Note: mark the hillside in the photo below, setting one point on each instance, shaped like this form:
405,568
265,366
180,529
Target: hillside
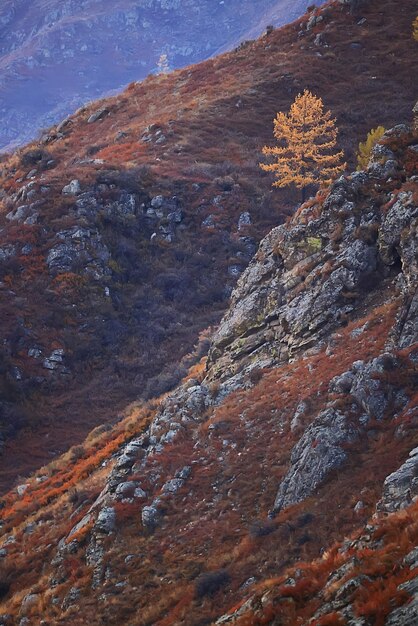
125,227
50,63
277,483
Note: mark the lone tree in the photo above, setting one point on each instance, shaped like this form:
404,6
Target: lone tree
305,154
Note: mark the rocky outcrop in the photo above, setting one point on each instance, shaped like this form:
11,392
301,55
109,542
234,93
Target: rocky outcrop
319,451
401,487
347,257
306,278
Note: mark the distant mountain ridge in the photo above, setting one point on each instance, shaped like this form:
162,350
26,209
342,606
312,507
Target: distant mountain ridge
55,56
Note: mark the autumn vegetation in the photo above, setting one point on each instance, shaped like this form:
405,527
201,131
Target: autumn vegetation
366,147
215,547
306,151
213,142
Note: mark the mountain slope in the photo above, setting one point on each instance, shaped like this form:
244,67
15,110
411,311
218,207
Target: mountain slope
295,432
50,63
100,279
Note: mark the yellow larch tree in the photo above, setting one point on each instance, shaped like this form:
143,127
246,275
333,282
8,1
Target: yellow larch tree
306,151
365,147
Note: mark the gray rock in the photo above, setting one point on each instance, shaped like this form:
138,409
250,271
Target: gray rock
157,202
27,249
184,473
29,600
120,135
62,257
125,461
393,229
130,558
126,204
54,360
401,486
244,220
209,221
410,586
30,528
346,590
98,115
173,485
63,125
295,422
318,452
175,217
270,313
405,615
320,40
197,399
411,558
342,383
71,598
407,329
370,390
235,270
150,517
169,436
72,189
106,520
80,525
359,507
7,252
57,355
18,215
16,373
313,21
21,489
126,489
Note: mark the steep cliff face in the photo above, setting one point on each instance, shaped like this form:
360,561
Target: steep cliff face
55,56
304,281
301,426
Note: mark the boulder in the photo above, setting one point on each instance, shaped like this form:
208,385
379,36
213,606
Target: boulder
7,252
21,489
319,451
29,601
126,489
370,391
150,516
72,189
401,486
172,486
244,220
106,521
98,115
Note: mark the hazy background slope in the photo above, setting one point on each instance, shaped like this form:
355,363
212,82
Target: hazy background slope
56,55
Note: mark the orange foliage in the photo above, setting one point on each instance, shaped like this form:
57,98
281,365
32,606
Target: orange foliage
68,282
375,600
307,138
123,152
